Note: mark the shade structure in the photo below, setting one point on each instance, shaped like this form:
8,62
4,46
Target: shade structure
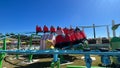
115,26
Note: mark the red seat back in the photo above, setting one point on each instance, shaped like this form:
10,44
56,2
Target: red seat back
68,38
38,29
52,29
83,34
45,28
60,39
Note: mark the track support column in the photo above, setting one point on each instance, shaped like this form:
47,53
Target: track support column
18,46
31,55
56,61
2,55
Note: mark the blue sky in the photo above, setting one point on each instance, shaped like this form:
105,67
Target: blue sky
24,15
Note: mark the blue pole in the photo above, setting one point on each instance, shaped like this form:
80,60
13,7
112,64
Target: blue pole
105,59
55,57
88,61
